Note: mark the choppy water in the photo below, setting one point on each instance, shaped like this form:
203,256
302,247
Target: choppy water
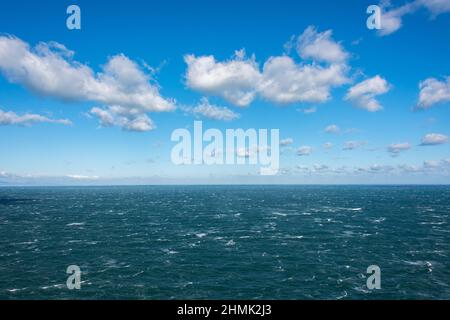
225,242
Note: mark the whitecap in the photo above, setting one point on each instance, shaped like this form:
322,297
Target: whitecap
279,214
426,264
168,251
230,243
15,290
59,286
75,224
294,237
201,235
361,289
343,296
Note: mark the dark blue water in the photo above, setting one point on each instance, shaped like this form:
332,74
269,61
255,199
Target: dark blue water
222,242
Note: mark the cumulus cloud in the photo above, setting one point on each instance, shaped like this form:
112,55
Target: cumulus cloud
106,117
286,142
438,167
140,123
433,139
332,128
320,168
427,167
396,148
392,18
436,7
211,111
375,168
433,91
8,178
308,110
82,177
49,69
127,119
233,80
304,151
351,145
239,80
431,164
328,145
363,94
320,46
12,118
285,82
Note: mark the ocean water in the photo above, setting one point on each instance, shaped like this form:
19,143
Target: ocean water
225,242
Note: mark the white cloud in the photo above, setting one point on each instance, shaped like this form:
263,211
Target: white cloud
233,80
409,168
140,123
106,117
436,7
11,118
320,168
128,119
211,111
351,145
363,94
392,19
8,178
286,82
239,80
82,177
432,139
328,145
332,128
376,168
430,164
320,46
352,130
49,69
308,110
433,91
286,142
425,168
396,148
304,151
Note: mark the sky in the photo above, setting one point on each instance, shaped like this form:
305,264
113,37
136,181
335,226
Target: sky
98,105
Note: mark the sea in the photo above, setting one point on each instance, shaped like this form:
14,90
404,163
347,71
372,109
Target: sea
225,242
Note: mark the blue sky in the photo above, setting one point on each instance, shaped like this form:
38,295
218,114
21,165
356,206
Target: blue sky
98,105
